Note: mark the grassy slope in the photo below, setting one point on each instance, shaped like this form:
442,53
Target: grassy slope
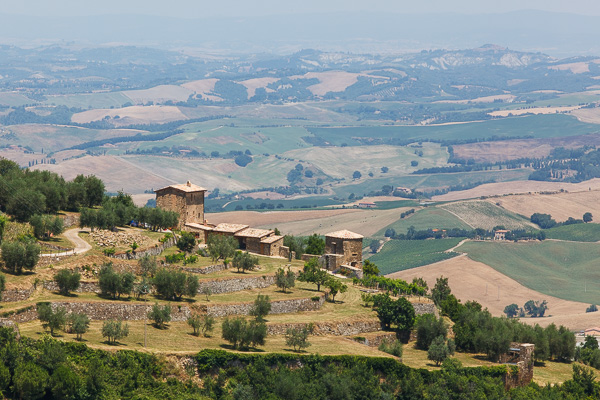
398,255
540,126
93,100
482,214
427,218
567,270
576,233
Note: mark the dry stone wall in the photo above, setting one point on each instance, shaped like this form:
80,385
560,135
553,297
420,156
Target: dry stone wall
338,328
17,294
116,310
151,251
84,287
277,307
228,285
425,308
211,269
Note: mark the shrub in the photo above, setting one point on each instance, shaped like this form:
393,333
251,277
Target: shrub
244,261
147,265
261,307
20,255
114,330
78,324
439,350
186,242
53,320
173,285
298,337
115,284
428,328
221,247
109,251
243,334
174,258
591,308
67,281
160,315
203,325
335,286
391,347
285,279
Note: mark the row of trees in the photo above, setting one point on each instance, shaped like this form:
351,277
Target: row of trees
120,211
531,308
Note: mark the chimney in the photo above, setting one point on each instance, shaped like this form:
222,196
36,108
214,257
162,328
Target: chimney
189,184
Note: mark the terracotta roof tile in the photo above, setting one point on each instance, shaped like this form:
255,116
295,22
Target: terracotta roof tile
271,239
229,228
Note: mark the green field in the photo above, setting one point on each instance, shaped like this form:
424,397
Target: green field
568,270
427,218
575,233
539,126
12,99
398,255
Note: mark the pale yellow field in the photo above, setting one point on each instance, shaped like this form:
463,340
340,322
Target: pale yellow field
332,81
534,110
203,87
255,83
472,280
590,115
576,68
515,187
132,115
159,94
116,173
560,205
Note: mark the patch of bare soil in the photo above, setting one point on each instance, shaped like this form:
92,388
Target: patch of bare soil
514,149
534,110
472,280
560,205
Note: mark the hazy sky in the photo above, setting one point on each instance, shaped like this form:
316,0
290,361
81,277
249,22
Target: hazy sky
237,8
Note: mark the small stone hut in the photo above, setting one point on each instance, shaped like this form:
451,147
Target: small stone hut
250,239
343,248
185,199
521,356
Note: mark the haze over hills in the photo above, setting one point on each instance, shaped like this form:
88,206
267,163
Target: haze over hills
557,34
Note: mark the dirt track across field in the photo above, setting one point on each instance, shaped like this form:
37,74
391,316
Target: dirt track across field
472,280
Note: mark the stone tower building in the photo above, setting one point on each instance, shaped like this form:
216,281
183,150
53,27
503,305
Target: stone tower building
185,199
343,248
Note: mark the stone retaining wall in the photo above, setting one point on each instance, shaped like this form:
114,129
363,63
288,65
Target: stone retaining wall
426,308
228,285
277,307
91,287
151,251
23,317
340,328
206,270
100,311
7,323
17,294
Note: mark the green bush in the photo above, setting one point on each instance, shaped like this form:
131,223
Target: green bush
160,315
391,347
173,285
67,281
243,334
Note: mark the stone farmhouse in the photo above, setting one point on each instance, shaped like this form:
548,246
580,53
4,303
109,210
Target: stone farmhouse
185,199
343,249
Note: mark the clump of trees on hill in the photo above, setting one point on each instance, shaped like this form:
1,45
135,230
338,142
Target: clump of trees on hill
24,193
545,221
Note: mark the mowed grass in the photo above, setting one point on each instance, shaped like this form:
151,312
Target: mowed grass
426,218
399,255
567,270
539,126
482,214
575,232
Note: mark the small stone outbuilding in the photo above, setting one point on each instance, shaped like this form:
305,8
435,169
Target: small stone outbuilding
250,239
343,248
185,199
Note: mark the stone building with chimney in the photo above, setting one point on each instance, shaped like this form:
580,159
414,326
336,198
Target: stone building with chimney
185,199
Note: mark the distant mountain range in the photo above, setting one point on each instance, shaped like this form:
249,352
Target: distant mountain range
557,34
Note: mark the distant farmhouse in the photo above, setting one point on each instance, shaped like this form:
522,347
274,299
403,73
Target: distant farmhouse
343,249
